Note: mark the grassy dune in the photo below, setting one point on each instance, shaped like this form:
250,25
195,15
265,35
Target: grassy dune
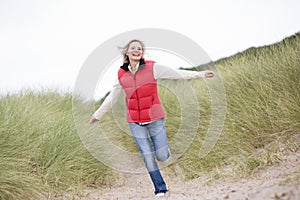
263,109
42,154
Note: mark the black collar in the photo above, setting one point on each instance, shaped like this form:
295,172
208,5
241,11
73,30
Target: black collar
125,65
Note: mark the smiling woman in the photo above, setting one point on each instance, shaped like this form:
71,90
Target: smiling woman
134,50
145,114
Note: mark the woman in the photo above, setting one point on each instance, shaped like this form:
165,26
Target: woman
145,114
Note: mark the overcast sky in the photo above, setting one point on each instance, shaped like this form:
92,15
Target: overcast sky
44,43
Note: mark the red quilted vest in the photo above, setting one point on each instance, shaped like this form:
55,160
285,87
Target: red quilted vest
142,101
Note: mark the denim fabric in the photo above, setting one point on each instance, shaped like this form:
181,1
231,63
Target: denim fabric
159,149
158,182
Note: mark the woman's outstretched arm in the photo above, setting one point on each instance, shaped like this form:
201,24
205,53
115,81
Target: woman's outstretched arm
164,72
109,101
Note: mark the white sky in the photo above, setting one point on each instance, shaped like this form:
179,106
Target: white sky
44,43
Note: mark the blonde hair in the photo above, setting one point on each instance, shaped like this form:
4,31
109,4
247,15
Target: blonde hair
125,48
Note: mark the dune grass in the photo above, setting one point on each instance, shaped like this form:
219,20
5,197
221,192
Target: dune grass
42,154
263,109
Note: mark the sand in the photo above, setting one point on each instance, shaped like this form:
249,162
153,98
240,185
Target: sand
280,181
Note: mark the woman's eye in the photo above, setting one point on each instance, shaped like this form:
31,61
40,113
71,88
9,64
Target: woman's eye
135,48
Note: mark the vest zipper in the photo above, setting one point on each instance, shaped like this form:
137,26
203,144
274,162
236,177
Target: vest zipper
137,95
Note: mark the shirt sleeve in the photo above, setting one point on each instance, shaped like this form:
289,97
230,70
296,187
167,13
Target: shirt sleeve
109,101
164,72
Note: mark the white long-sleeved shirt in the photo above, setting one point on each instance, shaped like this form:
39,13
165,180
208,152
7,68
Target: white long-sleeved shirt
159,72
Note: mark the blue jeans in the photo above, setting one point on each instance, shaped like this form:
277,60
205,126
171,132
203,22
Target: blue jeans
155,131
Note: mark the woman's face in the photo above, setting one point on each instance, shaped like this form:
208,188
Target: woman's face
135,51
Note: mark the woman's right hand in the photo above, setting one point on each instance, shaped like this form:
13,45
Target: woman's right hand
93,120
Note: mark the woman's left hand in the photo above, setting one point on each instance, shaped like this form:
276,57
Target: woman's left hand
209,74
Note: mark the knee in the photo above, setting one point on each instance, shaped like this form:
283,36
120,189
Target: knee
162,154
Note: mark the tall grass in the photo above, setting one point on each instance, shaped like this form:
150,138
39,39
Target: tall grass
263,109
42,154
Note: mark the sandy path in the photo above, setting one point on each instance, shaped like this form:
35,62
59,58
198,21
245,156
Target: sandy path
277,182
